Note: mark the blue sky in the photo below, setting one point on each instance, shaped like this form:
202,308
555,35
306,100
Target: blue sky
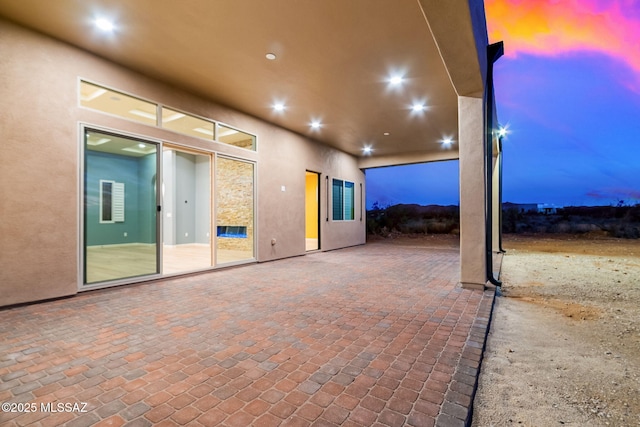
572,107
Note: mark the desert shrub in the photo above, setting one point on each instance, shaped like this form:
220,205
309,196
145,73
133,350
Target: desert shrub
633,214
524,228
625,231
617,221
444,226
395,217
584,228
562,227
413,227
540,228
412,219
510,220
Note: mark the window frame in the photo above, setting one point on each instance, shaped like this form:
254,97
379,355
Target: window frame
347,210
158,122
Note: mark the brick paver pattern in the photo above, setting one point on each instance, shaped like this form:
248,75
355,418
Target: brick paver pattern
379,334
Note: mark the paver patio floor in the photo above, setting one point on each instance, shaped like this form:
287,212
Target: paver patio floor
372,335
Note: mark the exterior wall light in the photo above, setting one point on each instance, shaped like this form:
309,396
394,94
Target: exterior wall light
447,141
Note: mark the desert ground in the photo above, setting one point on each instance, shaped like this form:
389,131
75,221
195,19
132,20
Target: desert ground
564,343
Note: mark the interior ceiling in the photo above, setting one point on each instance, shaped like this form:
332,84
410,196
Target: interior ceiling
334,58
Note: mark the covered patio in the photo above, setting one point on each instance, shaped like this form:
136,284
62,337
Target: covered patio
380,334
330,88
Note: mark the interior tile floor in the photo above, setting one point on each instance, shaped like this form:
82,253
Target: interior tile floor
113,262
378,334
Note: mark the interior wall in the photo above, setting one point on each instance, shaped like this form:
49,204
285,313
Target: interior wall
120,169
185,198
147,198
203,199
168,197
40,117
311,205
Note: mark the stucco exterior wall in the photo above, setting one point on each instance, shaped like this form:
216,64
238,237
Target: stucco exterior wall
40,165
473,190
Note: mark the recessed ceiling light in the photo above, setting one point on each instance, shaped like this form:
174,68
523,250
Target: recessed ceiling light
94,95
315,124
278,106
225,131
396,80
418,107
204,131
97,142
386,134
104,24
143,114
271,56
366,150
172,117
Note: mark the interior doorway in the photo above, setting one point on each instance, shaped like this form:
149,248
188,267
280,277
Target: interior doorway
312,211
187,200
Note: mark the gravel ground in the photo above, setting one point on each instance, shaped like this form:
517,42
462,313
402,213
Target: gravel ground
564,345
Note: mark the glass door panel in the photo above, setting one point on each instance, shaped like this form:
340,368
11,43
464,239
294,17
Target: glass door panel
234,210
120,203
186,226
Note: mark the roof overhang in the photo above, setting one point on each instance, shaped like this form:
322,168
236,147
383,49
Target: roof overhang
333,61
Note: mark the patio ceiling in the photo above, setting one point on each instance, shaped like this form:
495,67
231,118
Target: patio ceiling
334,59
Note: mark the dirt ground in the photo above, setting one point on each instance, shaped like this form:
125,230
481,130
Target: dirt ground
564,344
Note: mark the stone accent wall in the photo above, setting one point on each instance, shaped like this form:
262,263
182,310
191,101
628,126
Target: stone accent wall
234,184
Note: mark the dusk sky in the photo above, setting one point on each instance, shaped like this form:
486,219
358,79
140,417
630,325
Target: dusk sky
568,91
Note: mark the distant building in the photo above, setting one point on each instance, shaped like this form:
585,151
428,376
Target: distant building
547,209
520,207
543,208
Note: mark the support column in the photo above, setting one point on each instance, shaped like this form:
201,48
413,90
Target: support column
473,190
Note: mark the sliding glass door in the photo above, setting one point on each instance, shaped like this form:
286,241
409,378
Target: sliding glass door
146,213
120,205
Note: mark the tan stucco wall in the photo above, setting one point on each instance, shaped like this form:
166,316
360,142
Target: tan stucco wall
40,164
472,193
38,171
286,222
